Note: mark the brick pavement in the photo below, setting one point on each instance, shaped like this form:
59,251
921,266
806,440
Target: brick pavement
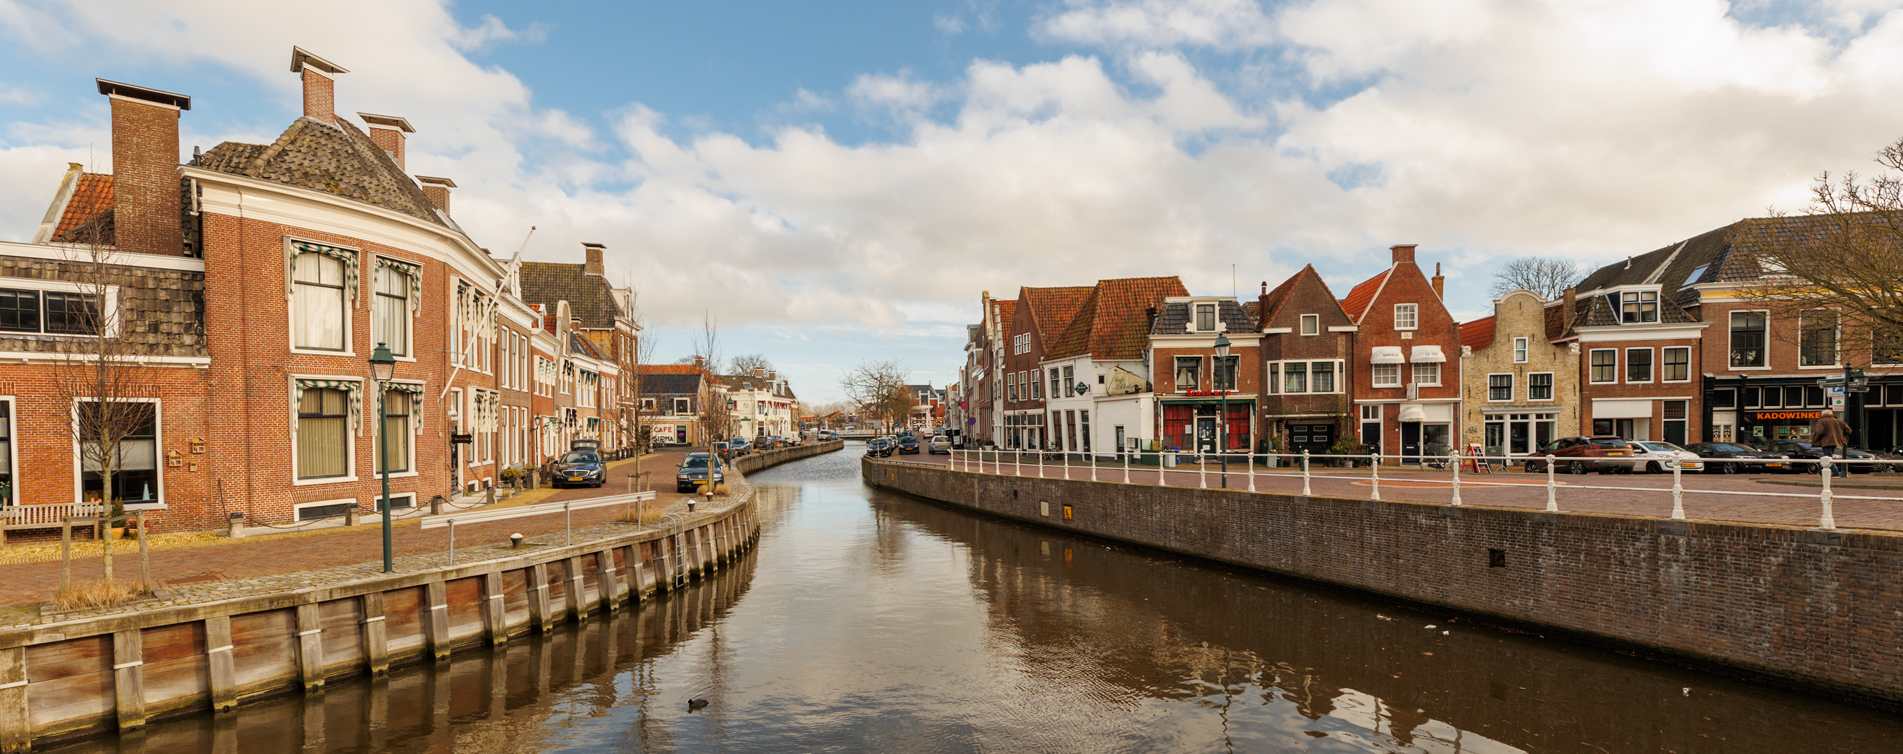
301,554
1863,502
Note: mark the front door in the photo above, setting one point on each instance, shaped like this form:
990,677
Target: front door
1410,442
1314,438
1206,434
1120,446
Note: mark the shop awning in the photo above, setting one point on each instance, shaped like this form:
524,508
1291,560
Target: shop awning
1412,412
1428,355
1387,355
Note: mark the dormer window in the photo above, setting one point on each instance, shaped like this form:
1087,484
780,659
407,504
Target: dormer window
1639,307
1205,317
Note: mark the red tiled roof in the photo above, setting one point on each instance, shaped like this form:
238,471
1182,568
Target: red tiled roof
1113,322
1053,308
1006,306
1478,333
92,195
1359,297
668,369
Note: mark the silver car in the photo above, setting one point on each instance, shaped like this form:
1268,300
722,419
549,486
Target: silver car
1656,456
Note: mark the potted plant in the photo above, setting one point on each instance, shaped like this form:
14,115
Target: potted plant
512,475
1345,447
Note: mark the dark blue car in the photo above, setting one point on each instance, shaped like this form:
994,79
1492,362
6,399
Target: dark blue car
580,468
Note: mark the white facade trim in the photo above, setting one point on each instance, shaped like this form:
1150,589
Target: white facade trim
58,252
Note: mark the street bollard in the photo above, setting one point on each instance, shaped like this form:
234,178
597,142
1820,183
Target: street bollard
1552,487
1374,469
1306,490
1828,521
1454,460
1678,490
1202,470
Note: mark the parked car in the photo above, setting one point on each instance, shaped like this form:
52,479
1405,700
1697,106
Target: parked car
1732,458
579,468
739,446
1656,456
939,445
1579,455
908,445
879,447
693,472
663,441
1860,461
827,435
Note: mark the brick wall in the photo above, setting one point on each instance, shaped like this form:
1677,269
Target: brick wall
1808,608
1519,315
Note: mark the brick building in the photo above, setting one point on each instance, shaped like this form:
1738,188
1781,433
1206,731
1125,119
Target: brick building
1406,381
1638,346
1192,388
1308,345
1096,373
1519,388
1041,314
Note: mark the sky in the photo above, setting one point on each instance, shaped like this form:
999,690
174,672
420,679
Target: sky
834,183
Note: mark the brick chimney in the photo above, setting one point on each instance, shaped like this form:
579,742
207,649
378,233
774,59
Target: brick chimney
320,84
388,133
1403,252
1440,283
1262,307
437,191
1567,309
145,183
591,263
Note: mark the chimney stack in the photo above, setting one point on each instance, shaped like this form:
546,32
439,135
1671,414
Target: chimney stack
1440,283
1262,307
320,84
591,264
437,191
1403,252
388,133
145,183
1566,310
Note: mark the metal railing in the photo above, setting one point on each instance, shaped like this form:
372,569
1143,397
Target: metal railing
566,508
1251,471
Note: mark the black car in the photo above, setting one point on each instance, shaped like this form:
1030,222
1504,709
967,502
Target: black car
908,446
693,472
1732,458
1860,461
580,468
879,447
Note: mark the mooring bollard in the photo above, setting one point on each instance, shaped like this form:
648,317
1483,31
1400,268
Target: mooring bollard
1678,490
1306,491
1454,459
1374,471
1827,521
1552,487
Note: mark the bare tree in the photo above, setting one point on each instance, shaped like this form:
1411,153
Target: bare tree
1546,277
746,363
876,389
714,415
1840,266
634,415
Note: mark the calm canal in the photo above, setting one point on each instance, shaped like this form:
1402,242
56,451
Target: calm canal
868,621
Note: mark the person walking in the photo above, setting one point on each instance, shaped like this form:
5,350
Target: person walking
1831,434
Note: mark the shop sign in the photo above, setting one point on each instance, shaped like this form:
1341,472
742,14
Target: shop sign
1782,416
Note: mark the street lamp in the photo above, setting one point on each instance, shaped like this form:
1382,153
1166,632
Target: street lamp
383,368
1222,416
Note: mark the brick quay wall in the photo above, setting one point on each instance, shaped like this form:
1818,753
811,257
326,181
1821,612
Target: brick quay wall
117,671
1818,610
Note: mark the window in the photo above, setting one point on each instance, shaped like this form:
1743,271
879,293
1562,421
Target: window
11,494
1639,307
71,313
1054,378
1427,373
1189,373
1519,349
1886,347
390,308
1295,377
1499,387
323,432
1638,365
1070,379
1205,317
1817,342
1407,316
1678,364
1386,375
135,469
319,315
1036,380
1011,386
1311,324
19,311
1748,340
1224,378
1539,386
397,428
1605,366
1321,377
1724,398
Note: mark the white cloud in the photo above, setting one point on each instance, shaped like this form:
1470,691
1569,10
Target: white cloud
1149,23
491,30
17,95
899,92
948,23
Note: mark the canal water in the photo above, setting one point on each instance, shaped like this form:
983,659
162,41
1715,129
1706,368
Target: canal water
867,621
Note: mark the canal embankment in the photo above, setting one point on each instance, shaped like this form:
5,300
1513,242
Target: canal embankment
119,670
1818,610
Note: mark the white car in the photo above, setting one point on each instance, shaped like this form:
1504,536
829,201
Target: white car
1656,456
939,445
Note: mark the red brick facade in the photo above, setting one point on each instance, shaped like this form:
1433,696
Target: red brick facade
1412,414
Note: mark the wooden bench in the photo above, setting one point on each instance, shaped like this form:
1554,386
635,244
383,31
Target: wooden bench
54,515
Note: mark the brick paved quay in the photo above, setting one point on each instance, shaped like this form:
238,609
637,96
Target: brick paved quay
275,562
1865,501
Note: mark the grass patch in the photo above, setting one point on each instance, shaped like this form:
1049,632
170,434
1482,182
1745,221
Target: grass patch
94,595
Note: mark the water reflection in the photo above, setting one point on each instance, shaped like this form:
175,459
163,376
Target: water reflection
867,621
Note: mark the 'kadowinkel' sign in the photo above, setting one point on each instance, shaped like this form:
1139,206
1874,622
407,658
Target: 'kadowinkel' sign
1782,416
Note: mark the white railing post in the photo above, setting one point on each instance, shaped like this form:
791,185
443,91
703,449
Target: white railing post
1454,458
1038,457
1552,487
1093,465
1678,490
1160,464
1374,469
1202,470
1306,490
452,539
1017,463
1249,458
1827,521
1126,466
1066,456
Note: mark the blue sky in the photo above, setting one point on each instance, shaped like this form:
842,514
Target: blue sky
837,182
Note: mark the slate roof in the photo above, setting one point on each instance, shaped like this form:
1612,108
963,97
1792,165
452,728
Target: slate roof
670,384
580,345
335,159
590,298
1478,333
88,214
1053,308
1113,322
1362,295
1173,317
1670,267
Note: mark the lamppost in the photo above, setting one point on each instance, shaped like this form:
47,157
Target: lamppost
383,367
1222,415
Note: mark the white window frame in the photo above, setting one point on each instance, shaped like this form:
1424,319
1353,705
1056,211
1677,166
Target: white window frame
1522,349
1651,371
1277,369
1639,294
1837,339
79,482
409,314
1413,316
350,454
1765,364
1552,387
349,311
108,309
1196,315
1311,324
1688,364
1414,373
1615,367
13,449
1374,375
1511,387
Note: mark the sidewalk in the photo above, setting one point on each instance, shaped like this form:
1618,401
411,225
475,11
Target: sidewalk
224,559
